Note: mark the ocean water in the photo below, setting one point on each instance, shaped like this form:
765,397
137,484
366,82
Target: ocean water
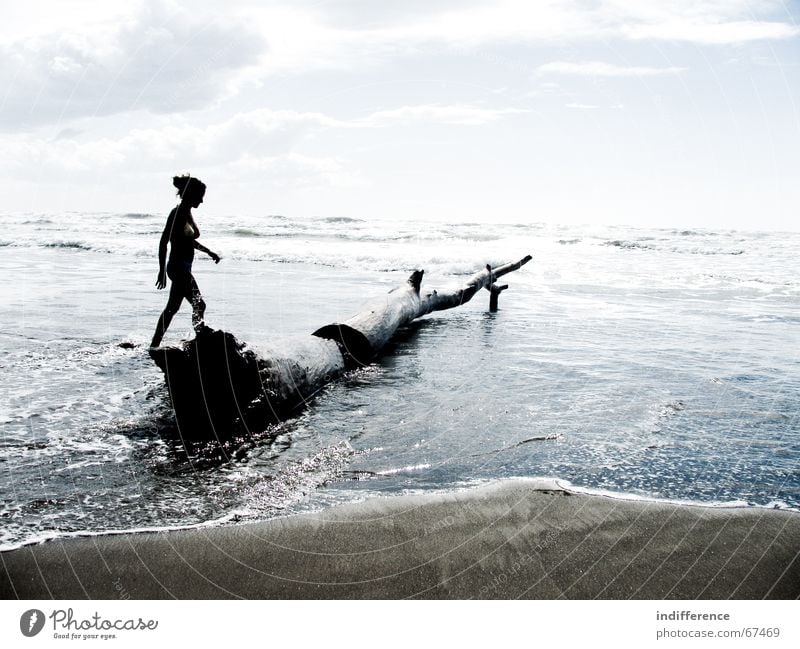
651,363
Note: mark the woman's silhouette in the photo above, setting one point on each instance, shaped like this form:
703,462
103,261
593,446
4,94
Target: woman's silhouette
181,232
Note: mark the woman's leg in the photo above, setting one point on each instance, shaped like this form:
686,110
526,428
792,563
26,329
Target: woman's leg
177,291
198,305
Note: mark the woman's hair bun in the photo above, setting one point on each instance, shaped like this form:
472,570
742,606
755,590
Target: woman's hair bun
182,183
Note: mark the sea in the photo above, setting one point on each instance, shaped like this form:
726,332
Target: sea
634,362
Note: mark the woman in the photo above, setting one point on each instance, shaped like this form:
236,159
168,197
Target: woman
181,232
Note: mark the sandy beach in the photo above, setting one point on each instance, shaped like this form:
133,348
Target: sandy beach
509,539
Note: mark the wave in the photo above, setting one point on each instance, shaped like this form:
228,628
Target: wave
245,232
428,237
261,498
746,280
11,543
636,245
340,219
709,251
565,242
630,245
75,245
378,262
137,215
737,503
527,226
360,236
66,245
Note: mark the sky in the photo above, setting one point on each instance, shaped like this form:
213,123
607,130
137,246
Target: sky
667,114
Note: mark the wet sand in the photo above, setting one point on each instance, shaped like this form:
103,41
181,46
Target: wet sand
510,539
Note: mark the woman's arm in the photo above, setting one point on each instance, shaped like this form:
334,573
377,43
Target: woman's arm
199,246
161,282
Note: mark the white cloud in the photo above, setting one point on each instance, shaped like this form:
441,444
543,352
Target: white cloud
256,133
349,36
334,33
372,15
712,33
167,58
602,69
164,59
258,139
658,11
389,27
579,106
457,114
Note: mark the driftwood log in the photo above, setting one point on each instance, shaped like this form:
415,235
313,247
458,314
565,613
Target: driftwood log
219,388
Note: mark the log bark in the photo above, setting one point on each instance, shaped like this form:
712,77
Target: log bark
219,388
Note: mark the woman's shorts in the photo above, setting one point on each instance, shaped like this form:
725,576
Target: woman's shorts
179,271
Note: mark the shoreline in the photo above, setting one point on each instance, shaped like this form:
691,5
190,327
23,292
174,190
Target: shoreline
508,539
541,483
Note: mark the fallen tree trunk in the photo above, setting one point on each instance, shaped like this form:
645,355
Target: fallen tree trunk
219,388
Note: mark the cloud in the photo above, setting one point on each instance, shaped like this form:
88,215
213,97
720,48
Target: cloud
712,33
68,133
258,139
255,133
602,69
342,32
350,36
579,106
168,59
164,60
256,147
371,15
456,114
